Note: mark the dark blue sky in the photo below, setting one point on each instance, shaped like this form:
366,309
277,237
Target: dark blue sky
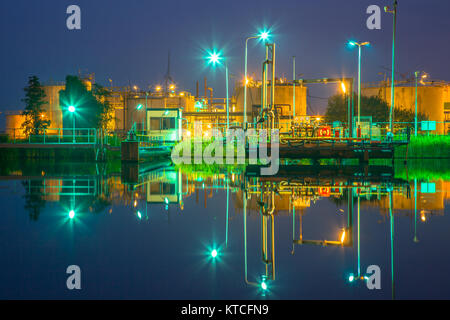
128,41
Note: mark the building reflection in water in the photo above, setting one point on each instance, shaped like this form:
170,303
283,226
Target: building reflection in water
166,186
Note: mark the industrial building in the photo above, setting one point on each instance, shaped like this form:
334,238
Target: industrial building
433,99
284,100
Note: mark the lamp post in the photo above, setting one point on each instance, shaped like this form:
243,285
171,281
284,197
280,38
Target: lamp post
72,111
360,45
391,112
213,59
416,74
263,36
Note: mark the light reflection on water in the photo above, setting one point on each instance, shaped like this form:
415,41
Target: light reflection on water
165,233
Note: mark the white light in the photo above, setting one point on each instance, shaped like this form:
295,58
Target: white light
71,214
264,35
214,253
71,108
264,286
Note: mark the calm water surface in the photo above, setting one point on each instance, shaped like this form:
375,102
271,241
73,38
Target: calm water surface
150,235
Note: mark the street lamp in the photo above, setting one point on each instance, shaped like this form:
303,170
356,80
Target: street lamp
360,45
262,36
72,111
214,58
394,27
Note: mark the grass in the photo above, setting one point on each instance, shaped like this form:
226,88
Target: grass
426,147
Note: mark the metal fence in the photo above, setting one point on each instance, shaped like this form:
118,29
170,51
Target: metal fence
56,136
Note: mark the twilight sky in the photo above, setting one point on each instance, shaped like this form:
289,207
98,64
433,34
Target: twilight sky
128,41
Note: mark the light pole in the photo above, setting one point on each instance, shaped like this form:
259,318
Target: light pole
263,36
416,74
360,45
213,59
391,113
72,111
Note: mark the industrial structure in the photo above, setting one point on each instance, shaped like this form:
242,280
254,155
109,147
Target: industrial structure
433,99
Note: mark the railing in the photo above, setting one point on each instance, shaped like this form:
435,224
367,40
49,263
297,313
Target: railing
56,136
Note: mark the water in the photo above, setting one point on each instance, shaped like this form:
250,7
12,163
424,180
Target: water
150,235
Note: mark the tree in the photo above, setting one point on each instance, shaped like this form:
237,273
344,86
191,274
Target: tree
92,108
105,112
35,122
372,106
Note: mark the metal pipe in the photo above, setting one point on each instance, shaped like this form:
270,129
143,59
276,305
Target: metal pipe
293,86
196,91
272,95
245,83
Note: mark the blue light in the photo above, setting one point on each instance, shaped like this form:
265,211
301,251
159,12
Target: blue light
263,285
264,35
351,278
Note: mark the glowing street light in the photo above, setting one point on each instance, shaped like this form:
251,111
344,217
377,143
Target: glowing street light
360,45
264,285
343,87
343,236
264,35
72,111
214,58
71,214
214,253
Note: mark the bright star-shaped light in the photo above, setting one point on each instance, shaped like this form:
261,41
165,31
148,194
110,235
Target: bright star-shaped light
214,58
71,108
214,253
264,35
71,214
